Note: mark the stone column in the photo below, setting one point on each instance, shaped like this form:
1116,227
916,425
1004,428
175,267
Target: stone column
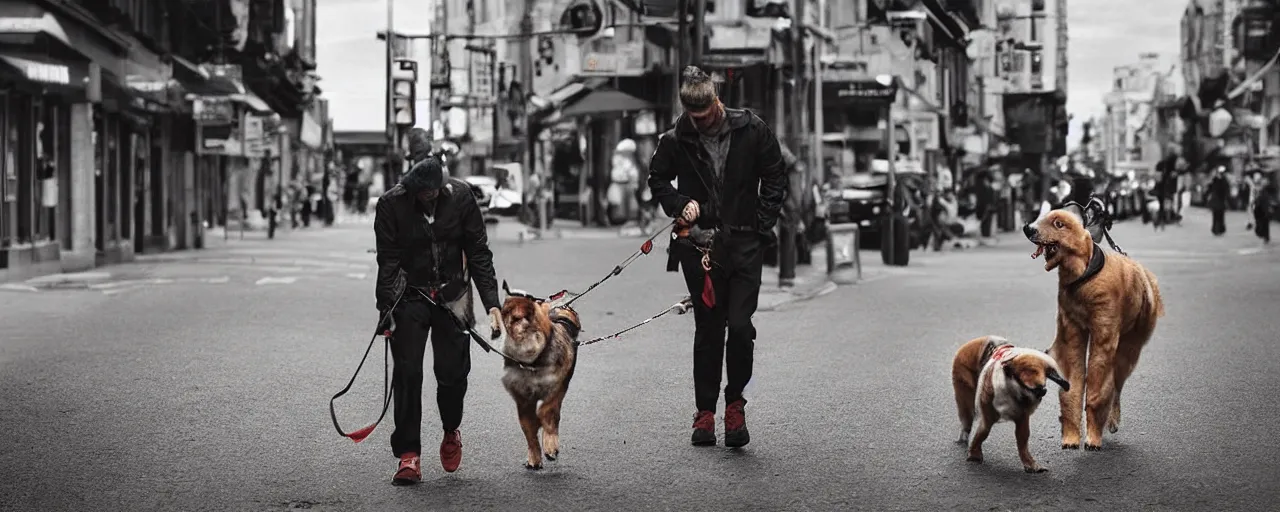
84,208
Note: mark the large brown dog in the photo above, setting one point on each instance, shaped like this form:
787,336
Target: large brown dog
1108,305
543,337
1002,383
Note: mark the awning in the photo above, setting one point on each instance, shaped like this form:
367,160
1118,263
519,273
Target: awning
26,23
69,76
605,101
221,86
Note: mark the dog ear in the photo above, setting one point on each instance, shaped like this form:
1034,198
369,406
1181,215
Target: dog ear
506,289
1053,375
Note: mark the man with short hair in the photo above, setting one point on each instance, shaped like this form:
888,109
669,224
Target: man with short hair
732,183
431,242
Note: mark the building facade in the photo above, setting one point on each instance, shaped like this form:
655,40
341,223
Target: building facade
1135,138
121,120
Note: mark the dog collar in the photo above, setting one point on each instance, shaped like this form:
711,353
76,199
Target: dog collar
1002,352
1096,262
989,351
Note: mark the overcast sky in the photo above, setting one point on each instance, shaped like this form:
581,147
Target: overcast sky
1102,34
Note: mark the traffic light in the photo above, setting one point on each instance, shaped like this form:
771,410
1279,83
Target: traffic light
404,85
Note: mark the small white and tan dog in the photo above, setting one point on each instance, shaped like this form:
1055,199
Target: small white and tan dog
1001,382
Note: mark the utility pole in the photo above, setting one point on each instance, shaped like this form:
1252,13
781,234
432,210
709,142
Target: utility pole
682,54
799,129
699,30
819,117
393,141
526,76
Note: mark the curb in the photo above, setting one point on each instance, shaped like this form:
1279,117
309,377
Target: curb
826,287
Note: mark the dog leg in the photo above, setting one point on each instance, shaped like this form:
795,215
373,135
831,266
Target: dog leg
1022,432
1069,351
549,414
528,412
1126,361
986,419
1100,384
964,407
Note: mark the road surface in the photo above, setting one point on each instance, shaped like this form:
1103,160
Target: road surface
202,384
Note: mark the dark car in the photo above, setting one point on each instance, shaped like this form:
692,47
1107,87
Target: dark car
861,198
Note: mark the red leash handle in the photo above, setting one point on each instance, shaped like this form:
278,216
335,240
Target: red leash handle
362,433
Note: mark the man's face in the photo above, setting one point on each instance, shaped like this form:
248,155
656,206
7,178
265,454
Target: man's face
705,120
428,195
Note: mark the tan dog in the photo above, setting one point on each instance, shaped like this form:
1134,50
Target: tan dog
1108,305
1002,383
544,338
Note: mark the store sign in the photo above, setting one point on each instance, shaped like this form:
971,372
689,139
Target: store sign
604,57
255,141
745,34
857,93
213,110
46,73
219,139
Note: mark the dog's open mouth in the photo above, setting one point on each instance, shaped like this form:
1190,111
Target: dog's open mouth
1048,249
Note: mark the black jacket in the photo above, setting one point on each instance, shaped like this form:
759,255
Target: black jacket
458,235
754,184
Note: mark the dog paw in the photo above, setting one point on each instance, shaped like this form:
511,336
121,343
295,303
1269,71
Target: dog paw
551,455
974,457
964,438
532,466
1070,446
1113,428
1035,468
1092,447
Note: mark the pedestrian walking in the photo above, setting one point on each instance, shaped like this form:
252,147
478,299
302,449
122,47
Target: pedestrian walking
624,177
1263,204
430,239
1219,192
736,197
1254,182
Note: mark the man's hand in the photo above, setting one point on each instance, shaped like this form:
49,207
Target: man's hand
386,322
495,323
690,212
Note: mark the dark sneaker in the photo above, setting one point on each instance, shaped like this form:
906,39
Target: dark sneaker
735,424
409,472
704,428
451,451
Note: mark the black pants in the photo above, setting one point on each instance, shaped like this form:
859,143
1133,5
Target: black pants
451,357
1219,221
735,275
1262,224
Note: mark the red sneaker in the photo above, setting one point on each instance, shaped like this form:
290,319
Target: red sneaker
451,451
409,471
704,429
735,424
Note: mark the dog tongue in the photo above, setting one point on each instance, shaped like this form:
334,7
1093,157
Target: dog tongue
1039,250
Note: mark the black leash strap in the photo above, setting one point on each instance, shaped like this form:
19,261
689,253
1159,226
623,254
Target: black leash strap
644,249
679,308
470,331
361,434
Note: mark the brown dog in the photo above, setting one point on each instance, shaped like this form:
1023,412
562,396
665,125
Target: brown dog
544,338
1108,305
1002,383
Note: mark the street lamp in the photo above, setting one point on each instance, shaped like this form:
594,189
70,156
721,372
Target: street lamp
893,225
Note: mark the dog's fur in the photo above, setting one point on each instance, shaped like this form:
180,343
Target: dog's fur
1111,315
544,338
1001,383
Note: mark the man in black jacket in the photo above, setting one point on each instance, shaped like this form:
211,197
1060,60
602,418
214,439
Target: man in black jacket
732,183
431,241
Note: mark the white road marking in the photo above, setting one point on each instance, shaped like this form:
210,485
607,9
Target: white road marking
216,280
276,280
356,276
1248,251
18,287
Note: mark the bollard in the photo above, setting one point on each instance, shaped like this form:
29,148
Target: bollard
856,257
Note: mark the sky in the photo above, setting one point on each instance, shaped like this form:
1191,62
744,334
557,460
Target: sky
1102,34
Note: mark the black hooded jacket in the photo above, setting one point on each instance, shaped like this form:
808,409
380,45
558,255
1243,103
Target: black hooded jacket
440,256
749,196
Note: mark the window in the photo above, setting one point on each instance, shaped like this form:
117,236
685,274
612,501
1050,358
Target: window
1037,5
1035,63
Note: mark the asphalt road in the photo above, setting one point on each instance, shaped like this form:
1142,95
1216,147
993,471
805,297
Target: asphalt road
200,385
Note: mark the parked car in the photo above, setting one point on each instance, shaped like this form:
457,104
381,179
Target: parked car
484,188
861,198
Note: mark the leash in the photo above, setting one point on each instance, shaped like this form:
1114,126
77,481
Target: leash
679,308
361,434
645,248
471,331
